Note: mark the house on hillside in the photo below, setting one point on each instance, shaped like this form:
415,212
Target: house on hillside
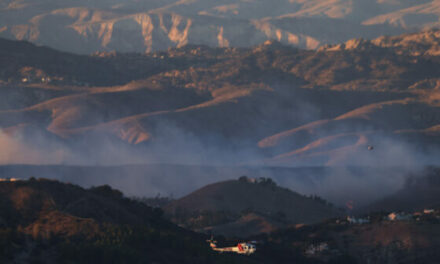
317,248
428,211
247,179
399,216
358,221
9,179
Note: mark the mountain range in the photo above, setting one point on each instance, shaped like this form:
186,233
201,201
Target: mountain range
144,26
176,99
362,102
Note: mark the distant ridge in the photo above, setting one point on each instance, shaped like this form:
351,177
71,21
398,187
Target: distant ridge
133,26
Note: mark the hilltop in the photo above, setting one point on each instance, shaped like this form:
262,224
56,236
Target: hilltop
247,206
362,185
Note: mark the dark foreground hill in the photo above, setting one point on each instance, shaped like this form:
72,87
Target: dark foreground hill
44,221
247,206
379,241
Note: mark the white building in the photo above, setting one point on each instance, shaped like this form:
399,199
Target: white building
399,217
359,221
317,248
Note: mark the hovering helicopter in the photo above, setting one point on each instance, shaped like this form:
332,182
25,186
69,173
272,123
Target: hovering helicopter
241,248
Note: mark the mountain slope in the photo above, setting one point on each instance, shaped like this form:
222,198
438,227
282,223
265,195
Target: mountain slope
342,135
223,105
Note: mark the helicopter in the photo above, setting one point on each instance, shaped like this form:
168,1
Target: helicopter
241,248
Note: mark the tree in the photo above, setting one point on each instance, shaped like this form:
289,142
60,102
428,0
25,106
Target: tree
243,178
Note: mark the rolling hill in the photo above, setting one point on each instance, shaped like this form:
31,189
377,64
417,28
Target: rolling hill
245,207
267,105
